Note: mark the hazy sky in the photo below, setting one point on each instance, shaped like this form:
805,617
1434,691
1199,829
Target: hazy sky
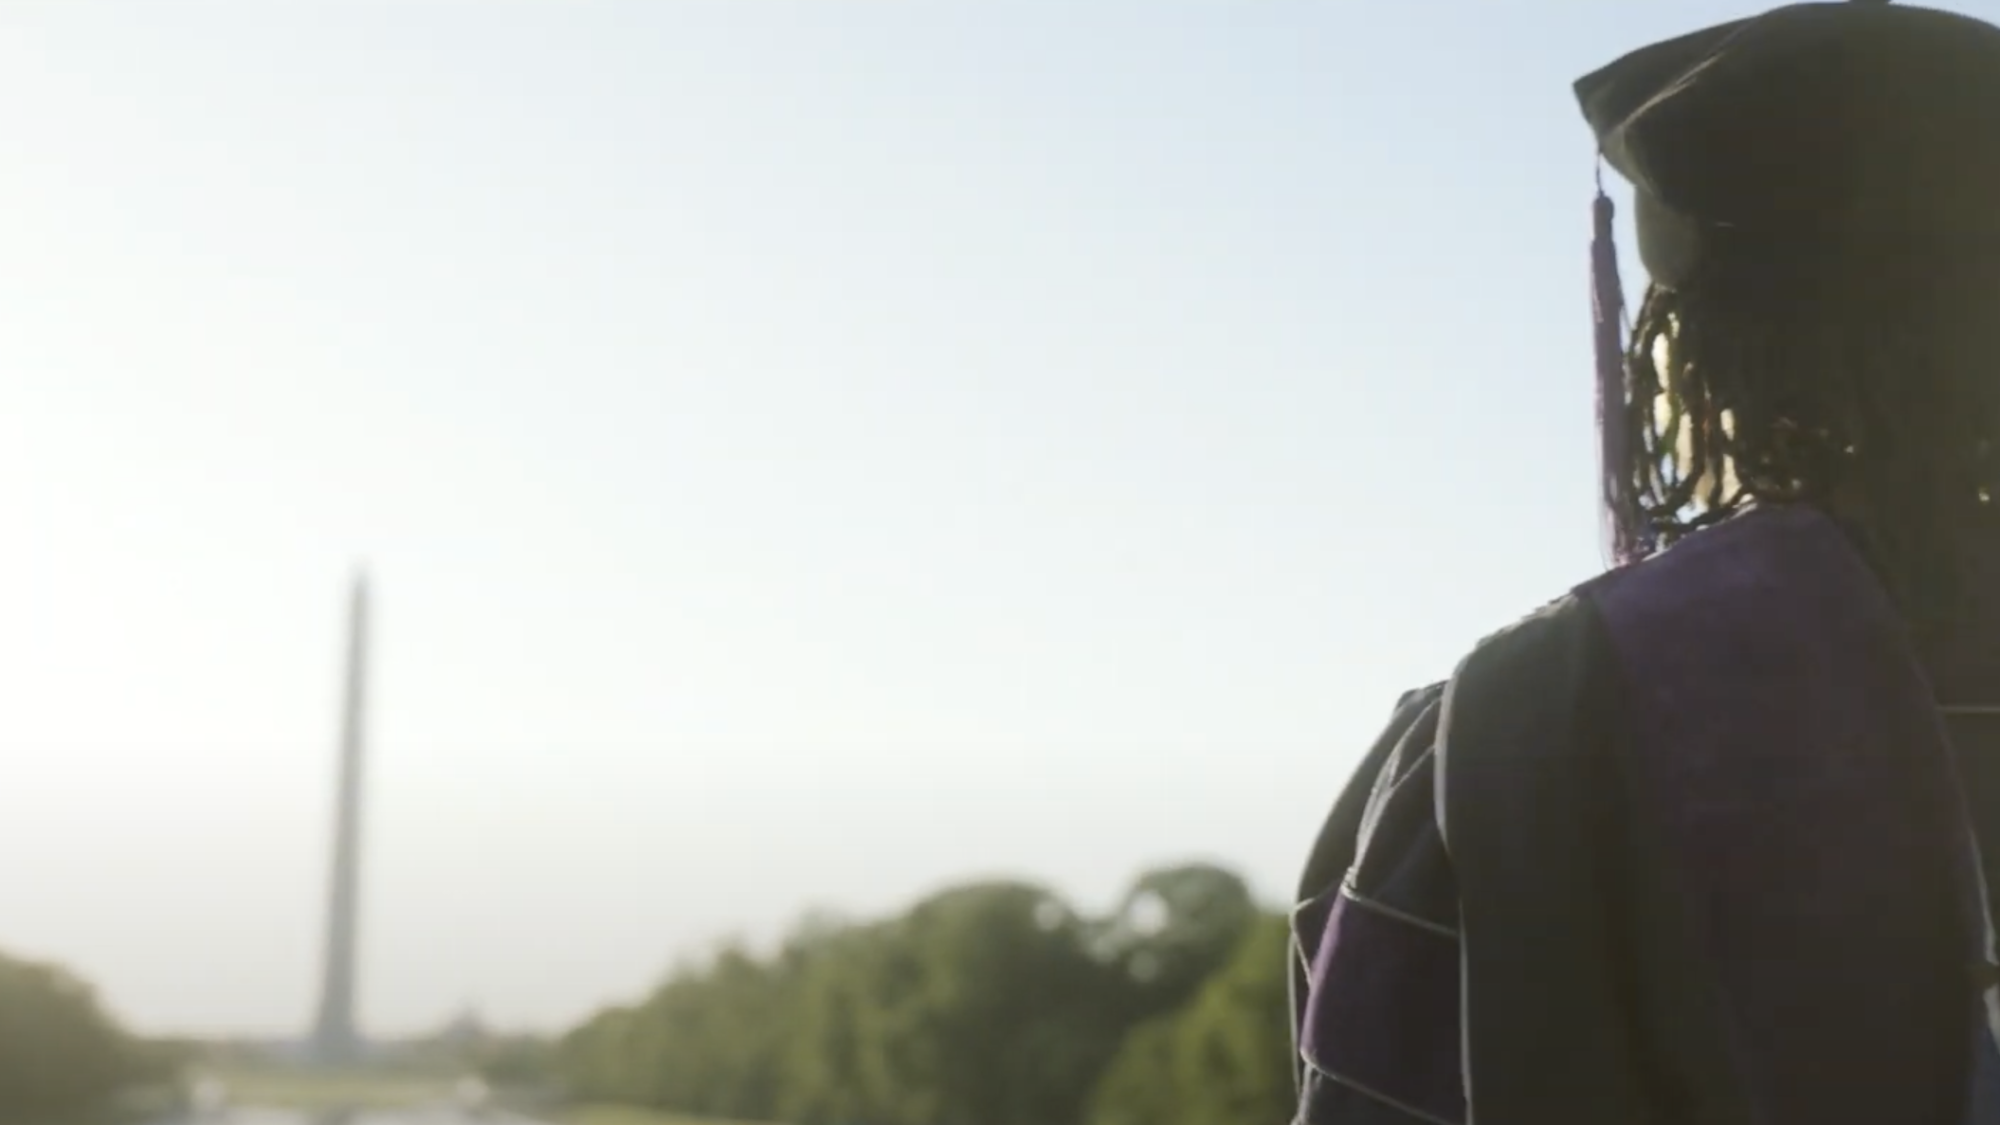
808,452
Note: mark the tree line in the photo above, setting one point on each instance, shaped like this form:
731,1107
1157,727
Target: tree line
994,1003
62,1058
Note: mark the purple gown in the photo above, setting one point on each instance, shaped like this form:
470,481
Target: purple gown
1692,844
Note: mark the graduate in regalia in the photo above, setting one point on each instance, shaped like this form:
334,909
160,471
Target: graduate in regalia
1703,841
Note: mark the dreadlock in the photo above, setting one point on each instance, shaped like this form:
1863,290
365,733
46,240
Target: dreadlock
1883,412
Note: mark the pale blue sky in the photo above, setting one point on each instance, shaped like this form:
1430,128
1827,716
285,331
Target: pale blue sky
809,452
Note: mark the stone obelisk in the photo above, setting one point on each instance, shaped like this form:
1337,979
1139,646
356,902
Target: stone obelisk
335,1038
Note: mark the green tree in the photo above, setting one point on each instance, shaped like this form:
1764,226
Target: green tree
992,1003
516,1061
983,1005
1013,1016
1175,927
837,1065
61,1056
1224,1059
598,1059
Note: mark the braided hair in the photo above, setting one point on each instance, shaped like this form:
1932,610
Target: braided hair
1881,407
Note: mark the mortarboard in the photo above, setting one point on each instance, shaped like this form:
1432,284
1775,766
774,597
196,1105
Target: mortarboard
1823,136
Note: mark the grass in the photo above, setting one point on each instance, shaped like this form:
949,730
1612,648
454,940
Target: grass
622,1115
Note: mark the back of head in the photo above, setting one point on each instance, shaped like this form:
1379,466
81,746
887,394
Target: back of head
1818,201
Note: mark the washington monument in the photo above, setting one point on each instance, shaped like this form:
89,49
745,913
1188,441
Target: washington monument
335,1038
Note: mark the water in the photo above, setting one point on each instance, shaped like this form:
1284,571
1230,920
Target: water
441,1115
470,1103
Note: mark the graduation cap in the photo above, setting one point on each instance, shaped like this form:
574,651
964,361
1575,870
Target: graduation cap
1834,134
1836,144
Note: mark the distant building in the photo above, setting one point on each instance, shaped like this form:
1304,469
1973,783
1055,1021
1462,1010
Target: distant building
466,1030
